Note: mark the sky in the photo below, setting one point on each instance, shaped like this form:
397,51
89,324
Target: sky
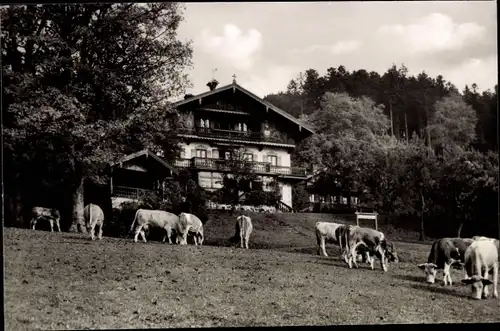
265,45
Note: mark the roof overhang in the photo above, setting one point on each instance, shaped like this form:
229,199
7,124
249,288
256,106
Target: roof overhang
268,105
147,154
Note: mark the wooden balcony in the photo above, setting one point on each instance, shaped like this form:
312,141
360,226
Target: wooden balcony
233,135
262,168
129,192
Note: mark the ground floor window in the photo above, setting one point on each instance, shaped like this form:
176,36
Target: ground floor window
210,180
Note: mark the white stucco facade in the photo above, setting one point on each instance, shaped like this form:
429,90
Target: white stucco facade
213,180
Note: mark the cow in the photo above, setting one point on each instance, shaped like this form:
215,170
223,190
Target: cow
145,218
341,233
94,216
50,214
444,253
480,258
374,242
325,231
243,230
189,223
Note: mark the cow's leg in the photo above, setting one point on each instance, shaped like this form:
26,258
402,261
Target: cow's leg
495,280
202,238
138,230
486,291
382,259
169,235
242,239
143,235
34,220
92,231
100,231
58,225
246,240
446,273
372,261
51,225
323,246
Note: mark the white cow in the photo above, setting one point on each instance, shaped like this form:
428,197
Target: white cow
244,228
480,258
50,214
146,218
94,216
325,231
189,223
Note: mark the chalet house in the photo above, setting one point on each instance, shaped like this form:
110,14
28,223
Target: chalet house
228,117
213,124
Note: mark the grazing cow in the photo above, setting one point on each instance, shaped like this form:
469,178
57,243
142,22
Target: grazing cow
325,231
444,253
146,218
374,242
341,233
94,216
480,258
50,214
244,228
190,223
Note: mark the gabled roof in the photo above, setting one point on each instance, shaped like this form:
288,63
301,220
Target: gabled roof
250,94
144,152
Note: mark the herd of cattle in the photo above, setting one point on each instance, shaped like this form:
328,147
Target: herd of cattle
477,256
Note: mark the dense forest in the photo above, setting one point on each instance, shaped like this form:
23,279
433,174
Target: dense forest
416,149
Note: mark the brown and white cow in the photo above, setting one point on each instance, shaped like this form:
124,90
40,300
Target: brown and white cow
189,223
444,253
94,217
342,236
243,230
145,218
374,243
480,258
50,214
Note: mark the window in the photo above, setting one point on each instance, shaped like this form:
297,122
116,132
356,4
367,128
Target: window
183,153
210,180
244,127
201,153
273,159
202,123
207,123
227,155
248,157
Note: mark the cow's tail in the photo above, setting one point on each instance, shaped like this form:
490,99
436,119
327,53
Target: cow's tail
90,215
318,235
133,223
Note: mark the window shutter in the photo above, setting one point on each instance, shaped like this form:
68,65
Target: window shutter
209,154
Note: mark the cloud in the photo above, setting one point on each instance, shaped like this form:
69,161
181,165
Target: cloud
340,47
435,32
343,47
474,70
234,46
275,79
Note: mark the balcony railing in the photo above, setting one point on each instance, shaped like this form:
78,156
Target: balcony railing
229,165
129,192
234,134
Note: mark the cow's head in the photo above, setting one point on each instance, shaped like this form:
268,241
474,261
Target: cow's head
391,254
430,271
478,283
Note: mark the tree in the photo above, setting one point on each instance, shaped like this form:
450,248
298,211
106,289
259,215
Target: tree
85,81
453,124
239,174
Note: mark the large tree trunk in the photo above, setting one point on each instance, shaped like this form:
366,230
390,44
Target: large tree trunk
78,222
17,209
422,229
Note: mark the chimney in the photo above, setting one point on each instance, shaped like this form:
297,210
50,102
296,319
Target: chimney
212,84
